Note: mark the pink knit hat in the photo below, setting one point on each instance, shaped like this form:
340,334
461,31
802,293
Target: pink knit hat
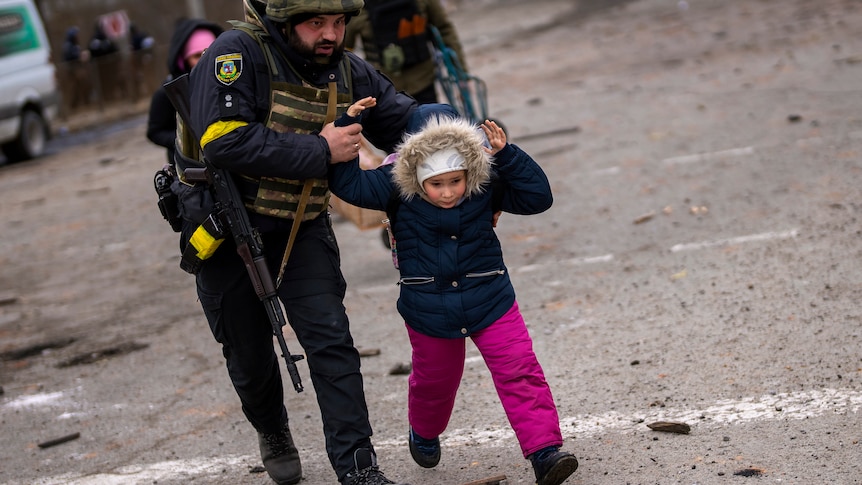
198,42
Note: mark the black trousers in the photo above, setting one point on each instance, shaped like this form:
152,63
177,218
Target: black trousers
312,292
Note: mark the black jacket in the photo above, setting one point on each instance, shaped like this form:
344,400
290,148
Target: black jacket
249,147
162,122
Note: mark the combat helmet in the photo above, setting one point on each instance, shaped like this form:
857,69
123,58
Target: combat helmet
282,10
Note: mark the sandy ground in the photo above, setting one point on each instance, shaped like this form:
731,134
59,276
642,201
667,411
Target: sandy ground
701,264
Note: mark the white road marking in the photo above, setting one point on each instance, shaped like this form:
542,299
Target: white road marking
607,171
725,412
574,261
766,236
605,258
152,472
703,157
780,406
33,400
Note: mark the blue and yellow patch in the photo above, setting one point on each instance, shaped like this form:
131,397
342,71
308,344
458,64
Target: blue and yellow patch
228,68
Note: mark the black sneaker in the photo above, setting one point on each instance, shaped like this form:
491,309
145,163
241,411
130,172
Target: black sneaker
366,471
425,452
553,466
280,457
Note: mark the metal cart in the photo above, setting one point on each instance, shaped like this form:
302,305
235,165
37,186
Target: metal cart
464,91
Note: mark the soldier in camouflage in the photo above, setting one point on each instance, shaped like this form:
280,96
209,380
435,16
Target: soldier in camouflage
404,54
263,98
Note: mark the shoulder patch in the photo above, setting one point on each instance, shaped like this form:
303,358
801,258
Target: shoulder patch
228,68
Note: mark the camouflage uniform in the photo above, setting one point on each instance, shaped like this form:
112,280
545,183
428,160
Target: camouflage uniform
418,79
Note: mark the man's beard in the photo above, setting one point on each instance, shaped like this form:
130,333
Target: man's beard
307,51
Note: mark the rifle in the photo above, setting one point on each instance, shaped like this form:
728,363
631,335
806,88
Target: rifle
231,211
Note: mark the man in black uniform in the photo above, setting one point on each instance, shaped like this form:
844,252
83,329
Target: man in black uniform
262,98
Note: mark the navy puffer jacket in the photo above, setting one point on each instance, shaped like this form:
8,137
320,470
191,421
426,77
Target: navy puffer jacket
453,278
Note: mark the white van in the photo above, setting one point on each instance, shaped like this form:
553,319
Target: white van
29,98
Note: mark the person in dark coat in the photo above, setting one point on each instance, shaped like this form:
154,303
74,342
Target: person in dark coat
100,45
263,103
188,42
77,71
454,283
71,46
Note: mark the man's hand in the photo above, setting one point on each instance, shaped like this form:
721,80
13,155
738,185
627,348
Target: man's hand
343,141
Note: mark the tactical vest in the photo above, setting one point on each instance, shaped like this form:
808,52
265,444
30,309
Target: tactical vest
293,109
400,34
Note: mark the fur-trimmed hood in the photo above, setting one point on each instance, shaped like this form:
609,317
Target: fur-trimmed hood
441,132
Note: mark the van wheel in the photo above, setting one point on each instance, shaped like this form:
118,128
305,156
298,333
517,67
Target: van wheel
32,138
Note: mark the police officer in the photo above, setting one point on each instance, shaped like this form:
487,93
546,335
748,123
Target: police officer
262,98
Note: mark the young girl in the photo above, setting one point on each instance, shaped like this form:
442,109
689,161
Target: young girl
454,283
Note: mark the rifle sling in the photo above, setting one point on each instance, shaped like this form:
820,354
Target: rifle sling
306,189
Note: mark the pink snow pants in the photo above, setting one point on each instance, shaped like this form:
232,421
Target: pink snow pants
507,348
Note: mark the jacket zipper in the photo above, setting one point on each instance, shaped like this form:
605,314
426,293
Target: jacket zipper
486,273
416,280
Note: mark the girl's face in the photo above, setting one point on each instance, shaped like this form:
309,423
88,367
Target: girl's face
446,190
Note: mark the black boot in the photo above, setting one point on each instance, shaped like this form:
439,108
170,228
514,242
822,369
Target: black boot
366,471
553,466
280,456
425,452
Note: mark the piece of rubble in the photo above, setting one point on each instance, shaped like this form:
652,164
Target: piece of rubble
495,480
401,369
644,218
7,298
748,472
60,440
670,427
679,275
369,352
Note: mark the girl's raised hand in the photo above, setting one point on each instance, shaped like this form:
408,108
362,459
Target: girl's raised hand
496,136
361,105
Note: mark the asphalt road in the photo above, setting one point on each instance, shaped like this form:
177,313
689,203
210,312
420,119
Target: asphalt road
701,264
